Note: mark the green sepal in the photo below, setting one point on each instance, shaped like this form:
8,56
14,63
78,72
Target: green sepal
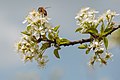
78,29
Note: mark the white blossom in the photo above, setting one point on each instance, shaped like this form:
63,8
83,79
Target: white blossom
36,34
113,13
110,15
24,21
42,62
35,17
86,19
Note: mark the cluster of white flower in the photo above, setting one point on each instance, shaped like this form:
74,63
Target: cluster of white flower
100,58
86,19
39,30
35,17
30,50
99,49
88,24
24,45
110,15
38,26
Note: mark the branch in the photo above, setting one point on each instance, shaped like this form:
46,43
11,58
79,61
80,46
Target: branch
114,28
77,42
81,41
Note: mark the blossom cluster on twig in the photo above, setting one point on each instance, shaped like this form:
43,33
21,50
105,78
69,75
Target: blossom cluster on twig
39,35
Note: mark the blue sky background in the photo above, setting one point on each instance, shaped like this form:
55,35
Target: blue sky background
73,62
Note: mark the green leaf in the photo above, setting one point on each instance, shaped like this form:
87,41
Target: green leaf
78,29
56,28
28,28
87,51
26,33
92,30
56,53
105,42
64,41
83,46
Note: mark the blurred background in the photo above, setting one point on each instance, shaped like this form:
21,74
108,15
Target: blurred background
73,63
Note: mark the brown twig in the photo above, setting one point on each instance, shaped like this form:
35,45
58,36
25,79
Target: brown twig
114,28
77,42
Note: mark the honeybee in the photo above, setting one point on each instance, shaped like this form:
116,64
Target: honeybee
42,10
